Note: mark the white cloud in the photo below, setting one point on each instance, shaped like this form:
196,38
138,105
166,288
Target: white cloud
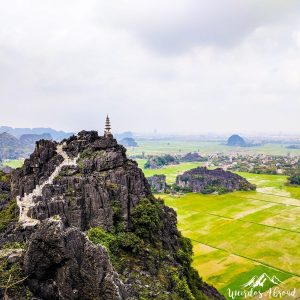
190,66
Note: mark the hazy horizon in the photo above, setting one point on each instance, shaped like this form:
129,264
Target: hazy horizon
159,134
180,67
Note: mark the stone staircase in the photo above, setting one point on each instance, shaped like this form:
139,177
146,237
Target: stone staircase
27,202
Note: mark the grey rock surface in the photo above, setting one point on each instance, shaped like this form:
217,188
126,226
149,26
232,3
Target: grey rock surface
201,178
63,264
157,183
83,195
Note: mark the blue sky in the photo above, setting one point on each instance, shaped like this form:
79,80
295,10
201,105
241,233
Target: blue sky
180,66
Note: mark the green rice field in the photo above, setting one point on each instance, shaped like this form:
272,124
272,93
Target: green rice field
243,234
170,171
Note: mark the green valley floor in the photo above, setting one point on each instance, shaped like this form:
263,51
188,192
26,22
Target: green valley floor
240,235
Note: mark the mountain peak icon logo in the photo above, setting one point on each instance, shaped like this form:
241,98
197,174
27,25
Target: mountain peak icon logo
256,281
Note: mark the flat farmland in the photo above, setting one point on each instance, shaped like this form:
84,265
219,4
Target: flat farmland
170,171
159,147
242,234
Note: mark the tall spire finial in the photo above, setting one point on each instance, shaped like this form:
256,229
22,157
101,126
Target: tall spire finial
107,128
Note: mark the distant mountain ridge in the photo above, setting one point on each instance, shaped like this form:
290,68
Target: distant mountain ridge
13,148
17,132
129,142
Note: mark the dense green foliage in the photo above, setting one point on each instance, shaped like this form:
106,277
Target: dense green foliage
160,161
8,215
215,189
126,241
272,170
206,190
191,276
14,245
185,189
141,249
294,179
146,218
4,177
11,281
4,193
145,221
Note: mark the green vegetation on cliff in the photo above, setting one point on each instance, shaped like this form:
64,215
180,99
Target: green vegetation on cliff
8,215
141,250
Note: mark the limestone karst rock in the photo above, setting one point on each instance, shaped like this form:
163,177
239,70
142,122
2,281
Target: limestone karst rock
93,230
192,157
63,264
236,140
203,180
82,194
157,183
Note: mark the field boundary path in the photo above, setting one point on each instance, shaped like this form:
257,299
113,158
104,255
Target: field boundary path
247,257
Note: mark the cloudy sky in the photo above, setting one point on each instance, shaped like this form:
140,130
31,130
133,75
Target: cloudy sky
185,66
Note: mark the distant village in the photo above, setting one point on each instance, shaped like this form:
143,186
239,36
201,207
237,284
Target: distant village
252,163
255,163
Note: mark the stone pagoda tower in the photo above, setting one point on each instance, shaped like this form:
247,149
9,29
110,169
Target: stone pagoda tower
107,128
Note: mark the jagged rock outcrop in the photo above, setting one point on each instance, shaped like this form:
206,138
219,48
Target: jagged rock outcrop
61,263
83,195
157,183
86,186
203,180
36,169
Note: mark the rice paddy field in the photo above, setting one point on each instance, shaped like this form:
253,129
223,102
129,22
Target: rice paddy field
243,234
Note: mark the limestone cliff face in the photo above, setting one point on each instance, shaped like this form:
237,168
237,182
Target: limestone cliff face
63,264
93,230
157,183
83,195
36,169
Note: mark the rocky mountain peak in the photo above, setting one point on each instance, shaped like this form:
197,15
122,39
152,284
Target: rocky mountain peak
93,230
80,179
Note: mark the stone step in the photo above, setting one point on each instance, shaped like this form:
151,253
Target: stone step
26,202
